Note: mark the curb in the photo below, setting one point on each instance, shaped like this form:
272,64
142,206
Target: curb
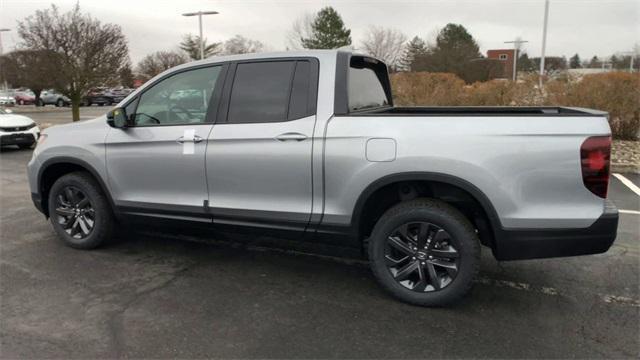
625,168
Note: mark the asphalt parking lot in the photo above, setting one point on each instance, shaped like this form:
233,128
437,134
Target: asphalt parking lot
150,295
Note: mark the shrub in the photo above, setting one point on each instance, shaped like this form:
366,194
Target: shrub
490,93
427,89
617,93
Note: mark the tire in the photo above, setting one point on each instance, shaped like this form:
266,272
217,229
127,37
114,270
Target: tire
60,103
40,102
21,102
85,188
461,249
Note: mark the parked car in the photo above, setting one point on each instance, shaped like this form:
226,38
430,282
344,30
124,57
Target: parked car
52,97
309,146
6,99
17,130
24,97
103,96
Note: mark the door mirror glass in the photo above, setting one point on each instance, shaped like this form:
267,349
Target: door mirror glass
117,118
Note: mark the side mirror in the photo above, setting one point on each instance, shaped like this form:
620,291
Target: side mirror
117,118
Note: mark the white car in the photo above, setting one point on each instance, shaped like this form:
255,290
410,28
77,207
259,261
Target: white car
17,130
7,99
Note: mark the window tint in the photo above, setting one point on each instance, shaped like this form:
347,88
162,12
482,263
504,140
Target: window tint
180,99
300,89
261,92
365,89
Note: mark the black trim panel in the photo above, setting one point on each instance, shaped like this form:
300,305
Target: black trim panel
548,243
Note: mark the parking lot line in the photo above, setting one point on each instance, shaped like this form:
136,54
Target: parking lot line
633,212
628,183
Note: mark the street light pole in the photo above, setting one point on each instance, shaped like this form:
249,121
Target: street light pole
199,14
516,48
544,39
4,83
1,31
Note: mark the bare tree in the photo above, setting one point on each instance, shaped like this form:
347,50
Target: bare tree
159,61
241,45
80,50
302,28
385,44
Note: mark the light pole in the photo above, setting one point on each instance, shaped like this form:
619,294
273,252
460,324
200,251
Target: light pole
516,47
199,14
544,39
4,83
1,31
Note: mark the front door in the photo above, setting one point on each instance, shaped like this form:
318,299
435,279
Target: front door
156,166
259,159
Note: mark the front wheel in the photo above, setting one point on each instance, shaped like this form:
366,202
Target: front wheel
424,252
79,211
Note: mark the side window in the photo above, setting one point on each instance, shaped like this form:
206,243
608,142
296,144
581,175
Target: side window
261,92
300,90
180,99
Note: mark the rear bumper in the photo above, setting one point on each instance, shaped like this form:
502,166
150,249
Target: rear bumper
546,243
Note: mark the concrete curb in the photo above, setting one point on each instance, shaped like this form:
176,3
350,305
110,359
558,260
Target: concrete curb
625,168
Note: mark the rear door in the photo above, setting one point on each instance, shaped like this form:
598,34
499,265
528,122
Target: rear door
259,155
157,165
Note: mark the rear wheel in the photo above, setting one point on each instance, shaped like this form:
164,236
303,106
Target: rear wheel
40,102
424,252
60,103
80,212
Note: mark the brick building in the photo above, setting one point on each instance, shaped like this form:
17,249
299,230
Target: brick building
507,57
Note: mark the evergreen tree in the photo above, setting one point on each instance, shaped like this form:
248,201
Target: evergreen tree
453,51
525,63
595,62
327,31
575,62
191,45
415,49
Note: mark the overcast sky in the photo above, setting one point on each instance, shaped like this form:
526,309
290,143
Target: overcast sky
587,27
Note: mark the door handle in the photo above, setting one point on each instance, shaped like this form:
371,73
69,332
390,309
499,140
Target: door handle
291,136
182,140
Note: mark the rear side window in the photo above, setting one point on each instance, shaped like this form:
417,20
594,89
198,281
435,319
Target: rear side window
366,89
271,91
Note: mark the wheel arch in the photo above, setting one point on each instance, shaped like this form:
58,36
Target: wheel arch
359,216
54,168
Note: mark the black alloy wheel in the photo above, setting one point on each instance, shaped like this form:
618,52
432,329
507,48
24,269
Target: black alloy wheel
421,257
74,212
424,252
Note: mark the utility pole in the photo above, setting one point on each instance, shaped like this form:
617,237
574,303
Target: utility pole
544,39
199,15
516,48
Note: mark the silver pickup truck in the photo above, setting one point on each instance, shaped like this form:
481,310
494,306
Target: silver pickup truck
309,146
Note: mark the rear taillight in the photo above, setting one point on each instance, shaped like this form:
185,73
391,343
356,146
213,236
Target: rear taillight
595,154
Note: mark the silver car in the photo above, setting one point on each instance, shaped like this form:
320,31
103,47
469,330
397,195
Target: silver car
309,146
